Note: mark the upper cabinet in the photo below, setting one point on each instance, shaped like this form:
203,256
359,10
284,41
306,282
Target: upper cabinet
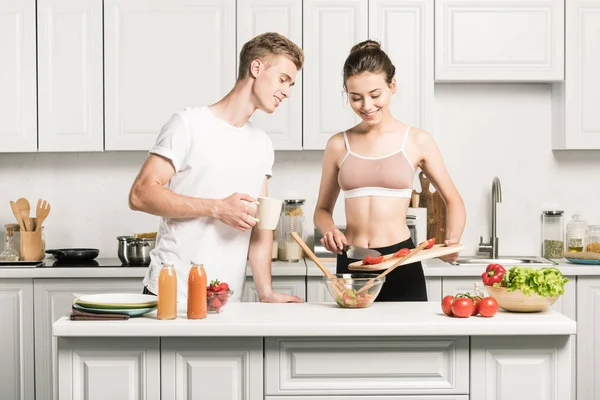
161,56
254,17
70,81
499,40
331,28
18,107
405,30
576,120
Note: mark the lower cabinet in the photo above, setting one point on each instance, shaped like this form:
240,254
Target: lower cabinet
531,368
451,397
212,368
588,337
53,299
16,344
109,368
292,285
347,366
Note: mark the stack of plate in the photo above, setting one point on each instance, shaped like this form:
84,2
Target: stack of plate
131,304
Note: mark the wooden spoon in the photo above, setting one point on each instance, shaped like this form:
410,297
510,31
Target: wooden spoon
25,209
393,267
338,286
17,213
41,212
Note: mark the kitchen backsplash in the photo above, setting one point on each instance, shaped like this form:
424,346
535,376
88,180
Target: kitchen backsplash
482,130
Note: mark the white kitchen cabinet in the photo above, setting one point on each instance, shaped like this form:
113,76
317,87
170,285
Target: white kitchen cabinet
70,76
331,28
292,285
405,30
212,368
16,347
576,120
161,56
527,368
361,366
453,285
18,103
433,397
105,368
53,299
254,17
499,40
588,337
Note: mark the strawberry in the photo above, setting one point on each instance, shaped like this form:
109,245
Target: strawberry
215,286
224,287
214,303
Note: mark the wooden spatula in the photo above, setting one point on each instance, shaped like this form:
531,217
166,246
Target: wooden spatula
41,212
25,209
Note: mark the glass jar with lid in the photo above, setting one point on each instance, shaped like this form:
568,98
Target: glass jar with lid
291,220
553,234
593,239
576,232
10,252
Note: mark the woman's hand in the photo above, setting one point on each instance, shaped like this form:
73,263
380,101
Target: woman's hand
450,258
334,241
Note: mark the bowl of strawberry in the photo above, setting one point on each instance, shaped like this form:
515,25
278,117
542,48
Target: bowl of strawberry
217,295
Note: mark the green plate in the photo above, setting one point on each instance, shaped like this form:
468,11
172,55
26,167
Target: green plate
132,312
117,300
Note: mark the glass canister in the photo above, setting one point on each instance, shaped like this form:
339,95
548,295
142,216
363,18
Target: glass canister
291,220
593,239
553,234
10,252
576,232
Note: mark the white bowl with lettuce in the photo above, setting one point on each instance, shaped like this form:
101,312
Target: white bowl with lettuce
524,289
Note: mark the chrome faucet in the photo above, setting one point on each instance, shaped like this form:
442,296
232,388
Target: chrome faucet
492,246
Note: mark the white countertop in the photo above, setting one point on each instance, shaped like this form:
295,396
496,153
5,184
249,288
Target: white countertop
113,268
438,267
324,319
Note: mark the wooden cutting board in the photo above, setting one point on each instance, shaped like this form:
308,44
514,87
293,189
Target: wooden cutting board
436,210
436,251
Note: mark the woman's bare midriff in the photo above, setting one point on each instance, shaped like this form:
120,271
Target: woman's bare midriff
376,221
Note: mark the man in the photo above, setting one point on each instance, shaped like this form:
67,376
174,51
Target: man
207,164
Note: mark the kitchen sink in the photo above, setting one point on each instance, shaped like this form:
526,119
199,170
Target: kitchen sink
506,261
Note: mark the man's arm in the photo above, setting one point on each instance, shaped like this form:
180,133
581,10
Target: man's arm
149,194
259,255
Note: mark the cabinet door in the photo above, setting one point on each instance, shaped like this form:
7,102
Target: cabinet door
18,103
109,368
499,40
576,122
16,347
588,338
453,285
292,285
53,299
212,368
254,17
316,291
331,28
523,368
405,30
70,77
161,56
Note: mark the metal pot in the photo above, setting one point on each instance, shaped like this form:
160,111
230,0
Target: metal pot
135,251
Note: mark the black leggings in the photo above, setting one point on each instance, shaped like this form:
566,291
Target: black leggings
405,283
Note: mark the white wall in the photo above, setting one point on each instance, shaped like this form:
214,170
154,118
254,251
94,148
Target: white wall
482,130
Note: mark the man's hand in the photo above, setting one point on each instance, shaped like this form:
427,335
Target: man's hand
450,258
234,212
274,297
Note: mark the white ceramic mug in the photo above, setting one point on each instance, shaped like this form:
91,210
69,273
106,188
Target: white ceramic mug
268,212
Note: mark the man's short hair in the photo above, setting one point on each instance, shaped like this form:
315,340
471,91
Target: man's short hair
268,45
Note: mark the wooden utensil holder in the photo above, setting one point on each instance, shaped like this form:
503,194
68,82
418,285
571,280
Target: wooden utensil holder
31,246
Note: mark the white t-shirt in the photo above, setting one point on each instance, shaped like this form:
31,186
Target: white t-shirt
212,159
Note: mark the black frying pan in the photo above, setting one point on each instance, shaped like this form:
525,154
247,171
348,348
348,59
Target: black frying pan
74,254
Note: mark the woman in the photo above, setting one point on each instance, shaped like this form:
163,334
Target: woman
374,164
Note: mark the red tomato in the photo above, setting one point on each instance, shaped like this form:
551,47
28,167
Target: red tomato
447,305
462,308
401,253
476,301
372,260
430,243
488,307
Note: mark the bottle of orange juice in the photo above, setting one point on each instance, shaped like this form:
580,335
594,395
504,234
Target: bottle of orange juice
196,306
167,292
